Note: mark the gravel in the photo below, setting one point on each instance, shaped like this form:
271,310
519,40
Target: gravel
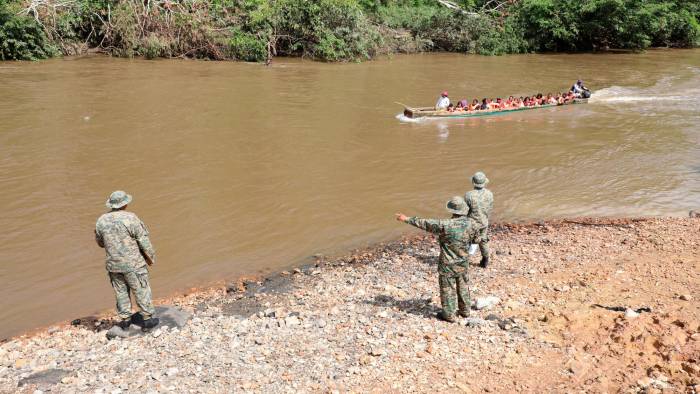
365,322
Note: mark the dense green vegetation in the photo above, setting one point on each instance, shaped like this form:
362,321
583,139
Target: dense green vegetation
338,30
21,37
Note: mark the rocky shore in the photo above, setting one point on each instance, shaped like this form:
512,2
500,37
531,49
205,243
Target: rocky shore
581,305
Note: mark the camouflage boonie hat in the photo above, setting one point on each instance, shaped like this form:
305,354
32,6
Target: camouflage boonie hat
118,199
458,206
479,179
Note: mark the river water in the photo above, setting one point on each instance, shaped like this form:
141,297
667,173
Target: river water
241,168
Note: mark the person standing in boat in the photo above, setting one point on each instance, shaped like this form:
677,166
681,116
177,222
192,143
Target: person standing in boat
443,101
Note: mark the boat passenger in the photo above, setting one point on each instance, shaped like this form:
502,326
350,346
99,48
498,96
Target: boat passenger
563,98
475,105
485,104
462,105
450,108
539,100
560,98
499,104
443,102
550,99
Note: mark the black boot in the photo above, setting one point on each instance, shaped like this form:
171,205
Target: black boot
124,324
150,323
445,317
464,313
484,262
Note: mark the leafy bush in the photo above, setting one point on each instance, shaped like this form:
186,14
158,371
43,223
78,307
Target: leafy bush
457,32
154,46
547,24
573,25
404,17
248,47
498,39
324,29
123,33
21,37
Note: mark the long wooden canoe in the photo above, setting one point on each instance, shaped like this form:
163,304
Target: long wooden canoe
430,112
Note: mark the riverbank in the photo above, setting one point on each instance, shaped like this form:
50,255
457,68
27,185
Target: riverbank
337,30
365,323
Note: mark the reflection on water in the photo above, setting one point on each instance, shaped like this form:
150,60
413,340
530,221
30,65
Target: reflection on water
244,168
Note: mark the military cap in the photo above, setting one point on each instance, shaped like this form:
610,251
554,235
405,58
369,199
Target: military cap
458,206
479,180
118,199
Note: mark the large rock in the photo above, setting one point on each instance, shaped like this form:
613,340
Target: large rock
168,315
45,378
118,332
631,313
475,321
486,302
171,316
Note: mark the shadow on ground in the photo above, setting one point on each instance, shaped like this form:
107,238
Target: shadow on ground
94,323
426,259
416,306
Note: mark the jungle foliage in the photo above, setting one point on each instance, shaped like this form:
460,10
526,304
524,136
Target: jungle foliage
338,30
21,36
574,25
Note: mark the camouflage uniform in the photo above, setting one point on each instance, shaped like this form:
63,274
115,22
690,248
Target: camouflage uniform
454,236
125,240
480,202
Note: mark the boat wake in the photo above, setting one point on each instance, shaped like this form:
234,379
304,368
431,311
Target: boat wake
617,94
667,90
403,118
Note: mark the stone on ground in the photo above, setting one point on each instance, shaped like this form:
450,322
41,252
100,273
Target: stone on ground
169,316
486,302
45,378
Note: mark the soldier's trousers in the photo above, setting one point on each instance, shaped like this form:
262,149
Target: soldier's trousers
484,242
454,293
137,283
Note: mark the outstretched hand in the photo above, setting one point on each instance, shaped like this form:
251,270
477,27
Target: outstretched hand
401,217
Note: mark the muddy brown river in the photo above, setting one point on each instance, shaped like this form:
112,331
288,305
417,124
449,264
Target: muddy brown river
241,168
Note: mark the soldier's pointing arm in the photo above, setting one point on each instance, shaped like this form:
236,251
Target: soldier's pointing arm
434,226
140,233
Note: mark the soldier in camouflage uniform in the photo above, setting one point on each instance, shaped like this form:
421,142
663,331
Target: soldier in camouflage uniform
454,236
480,202
129,251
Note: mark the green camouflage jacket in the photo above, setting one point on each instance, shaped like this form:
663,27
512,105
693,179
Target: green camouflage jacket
480,202
454,236
125,239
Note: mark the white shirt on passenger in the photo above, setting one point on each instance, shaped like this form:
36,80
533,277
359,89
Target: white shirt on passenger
442,103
